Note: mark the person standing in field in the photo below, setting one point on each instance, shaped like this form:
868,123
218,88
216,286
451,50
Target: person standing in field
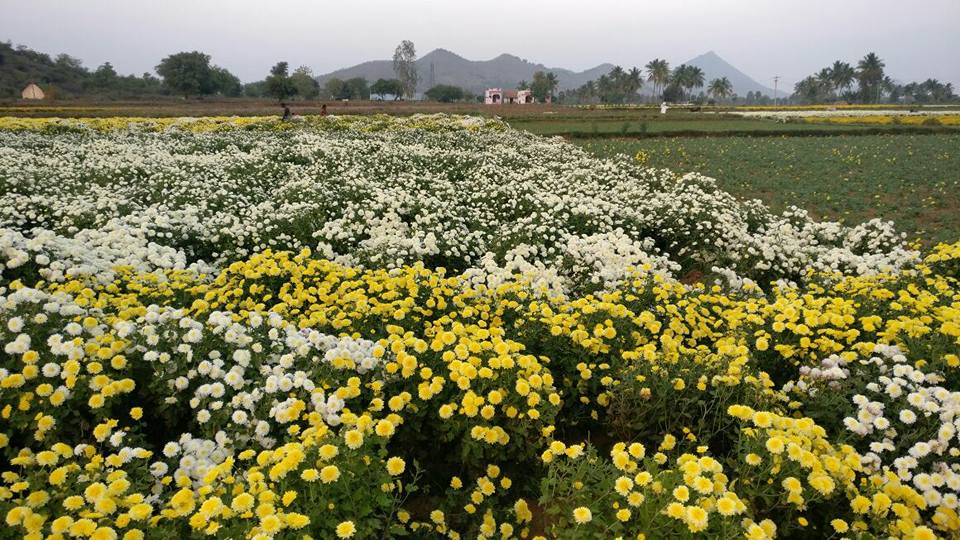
323,110
663,108
286,112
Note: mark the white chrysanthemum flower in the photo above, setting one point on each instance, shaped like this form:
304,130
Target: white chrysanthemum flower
171,449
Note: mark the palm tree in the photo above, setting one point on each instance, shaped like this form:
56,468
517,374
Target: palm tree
890,87
824,84
681,78
825,81
841,75
658,72
720,88
588,91
695,77
870,76
808,89
930,90
552,81
634,81
603,87
946,92
617,73
687,78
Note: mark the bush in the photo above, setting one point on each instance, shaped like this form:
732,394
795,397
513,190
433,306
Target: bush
445,93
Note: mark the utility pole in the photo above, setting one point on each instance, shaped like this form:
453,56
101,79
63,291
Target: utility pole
776,79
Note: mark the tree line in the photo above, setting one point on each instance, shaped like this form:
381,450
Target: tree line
65,76
674,85
867,83
192,74
186,73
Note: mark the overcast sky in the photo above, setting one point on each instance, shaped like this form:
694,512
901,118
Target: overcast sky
917,38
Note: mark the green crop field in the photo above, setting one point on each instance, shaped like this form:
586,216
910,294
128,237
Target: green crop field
913,180
680,123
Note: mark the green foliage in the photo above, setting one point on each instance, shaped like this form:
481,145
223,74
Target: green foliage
383,87
65,76
183,73
720,88
870,77
543,85
814,89
335,88
104,78
690,395
836,83
355,88
358,88
445,93
257,89
628,502
279,84
303,80
930,91
686,78
618,86
658,72
226,83
21,66
188,73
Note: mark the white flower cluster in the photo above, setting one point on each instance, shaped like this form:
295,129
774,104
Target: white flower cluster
734,282
520,263
362,354
241,380
464,196
599,261
91,252
261,384
606,259
193,457
831,370
910,422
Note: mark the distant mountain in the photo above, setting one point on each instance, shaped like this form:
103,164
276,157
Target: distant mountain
475,76
507,70
715,67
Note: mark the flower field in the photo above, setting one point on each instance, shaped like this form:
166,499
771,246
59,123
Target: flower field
439,326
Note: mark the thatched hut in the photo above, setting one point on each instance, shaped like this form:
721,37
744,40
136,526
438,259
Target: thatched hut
32,91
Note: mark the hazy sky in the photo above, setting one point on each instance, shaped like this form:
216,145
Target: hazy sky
916,38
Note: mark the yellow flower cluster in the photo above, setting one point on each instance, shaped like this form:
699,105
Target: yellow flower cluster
887,120
825,107
174,399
